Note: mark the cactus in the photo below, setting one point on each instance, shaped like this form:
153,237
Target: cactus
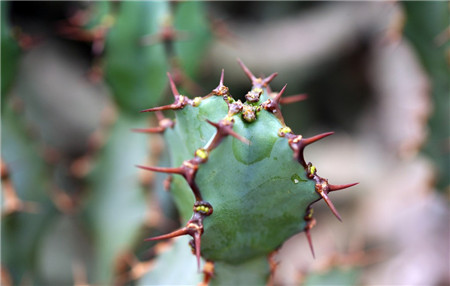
240,178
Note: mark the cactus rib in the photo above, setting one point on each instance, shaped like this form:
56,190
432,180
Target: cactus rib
240,192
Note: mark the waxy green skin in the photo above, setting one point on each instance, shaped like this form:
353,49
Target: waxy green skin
257,202
240,179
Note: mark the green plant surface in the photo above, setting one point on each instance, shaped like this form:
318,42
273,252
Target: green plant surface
115,209
22,231
426,23
252,272
334,276
241,182
172,264
134,71
10,53
190,19
99,12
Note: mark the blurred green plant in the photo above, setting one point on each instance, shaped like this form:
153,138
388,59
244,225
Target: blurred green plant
91,231
10,53
114,210
427,27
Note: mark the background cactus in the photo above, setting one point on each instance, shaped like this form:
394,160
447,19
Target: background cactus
76,210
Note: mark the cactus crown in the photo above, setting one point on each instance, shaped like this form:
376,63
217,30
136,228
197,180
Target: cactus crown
243,170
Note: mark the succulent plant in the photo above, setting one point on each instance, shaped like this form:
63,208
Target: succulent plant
240,179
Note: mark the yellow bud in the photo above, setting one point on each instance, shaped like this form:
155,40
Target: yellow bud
196,102
201,153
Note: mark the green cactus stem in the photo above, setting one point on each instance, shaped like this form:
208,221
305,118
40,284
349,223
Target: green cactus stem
244,171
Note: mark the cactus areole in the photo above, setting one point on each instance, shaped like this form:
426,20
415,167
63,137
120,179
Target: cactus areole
241,181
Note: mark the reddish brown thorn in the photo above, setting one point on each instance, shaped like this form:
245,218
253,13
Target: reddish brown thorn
221,90
173,87
310,140
308,237
332,188
160,108
330,205
298,144
158,129
223,130
176,233
277,98
268,79
246,70
213,123
256,81
221,78
293,98
239,137
163,170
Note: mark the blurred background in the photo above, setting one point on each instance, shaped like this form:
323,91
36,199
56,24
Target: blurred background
74,76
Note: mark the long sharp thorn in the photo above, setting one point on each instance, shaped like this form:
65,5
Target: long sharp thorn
179,232
173,87
162,169
308,237
310,140
293,98
332,188
149,130
330,205
197,242
246,70
159,108
213,123
278,96
239,137
268,79
221,78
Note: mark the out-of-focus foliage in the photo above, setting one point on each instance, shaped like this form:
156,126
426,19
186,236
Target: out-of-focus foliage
116,206
75,210
427,26
23,225
195,35
136,72
334,276
9,52
177,257
100,196
139,49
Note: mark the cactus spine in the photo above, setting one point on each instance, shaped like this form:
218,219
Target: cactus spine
244,172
